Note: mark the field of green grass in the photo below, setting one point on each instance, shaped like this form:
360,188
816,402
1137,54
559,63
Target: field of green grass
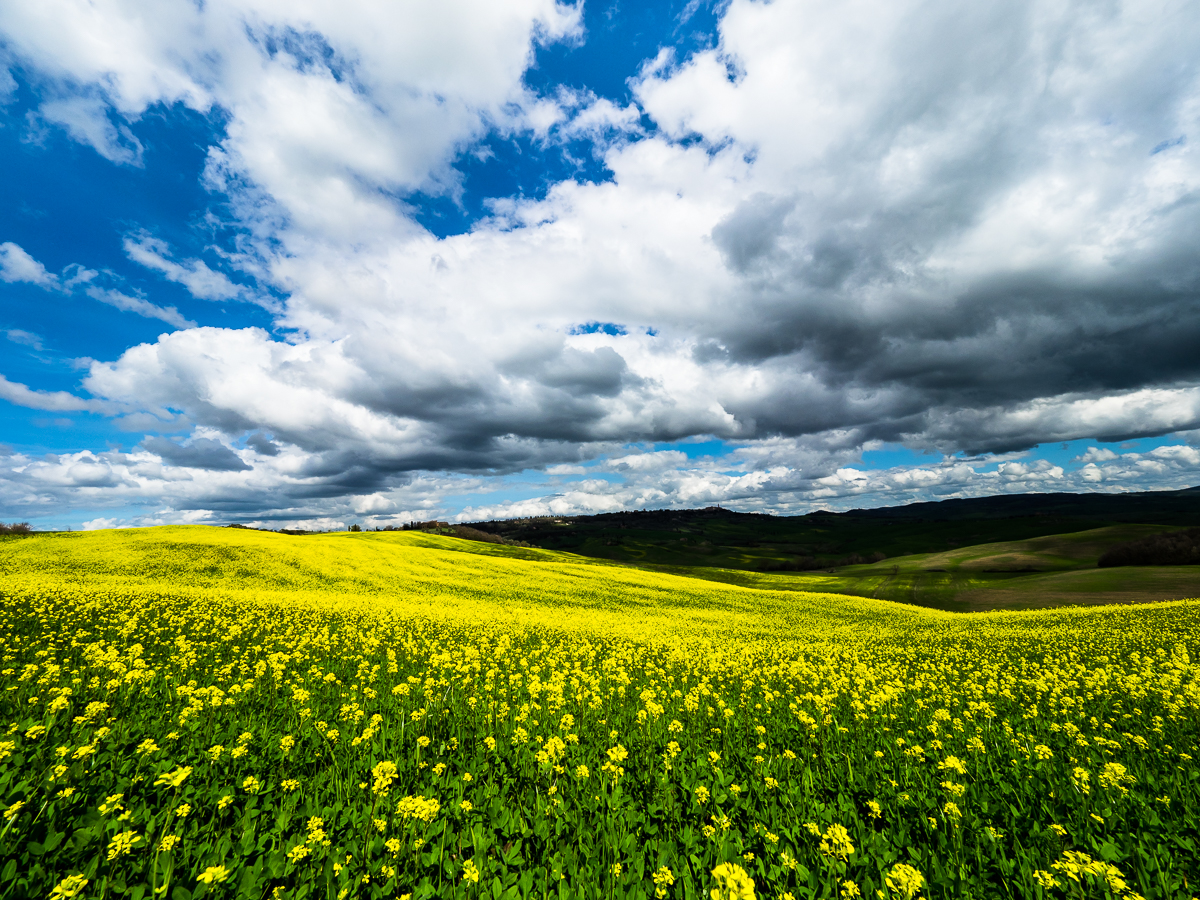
1055,570
193,712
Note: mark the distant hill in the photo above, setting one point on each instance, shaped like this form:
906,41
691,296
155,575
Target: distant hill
1147,507
716,537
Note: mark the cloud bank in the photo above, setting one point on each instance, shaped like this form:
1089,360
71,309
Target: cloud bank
964,230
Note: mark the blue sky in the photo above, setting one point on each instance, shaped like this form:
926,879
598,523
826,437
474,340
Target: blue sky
343,263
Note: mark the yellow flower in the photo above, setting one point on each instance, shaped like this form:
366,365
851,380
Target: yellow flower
224,801
122,844
251,785
183,810
69,887
733,883
297,853
1081,779
289,784
954,790
1114,776
168,843
663,879
470,873
418,808
952,764
836,842
1045,879
849,890
384,774
173,779
904,881
213,874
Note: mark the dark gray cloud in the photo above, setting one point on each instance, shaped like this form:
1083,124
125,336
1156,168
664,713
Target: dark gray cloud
199,453
752,231
262,444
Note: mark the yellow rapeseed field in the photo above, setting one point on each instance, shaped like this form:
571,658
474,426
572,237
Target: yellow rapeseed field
192,711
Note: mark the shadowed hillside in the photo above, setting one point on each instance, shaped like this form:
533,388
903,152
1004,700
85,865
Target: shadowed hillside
1179,548
722,538
1024,551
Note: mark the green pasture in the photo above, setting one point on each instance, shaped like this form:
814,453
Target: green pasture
1054,570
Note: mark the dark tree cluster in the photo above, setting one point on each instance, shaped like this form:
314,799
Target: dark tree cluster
1175,548
15,528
